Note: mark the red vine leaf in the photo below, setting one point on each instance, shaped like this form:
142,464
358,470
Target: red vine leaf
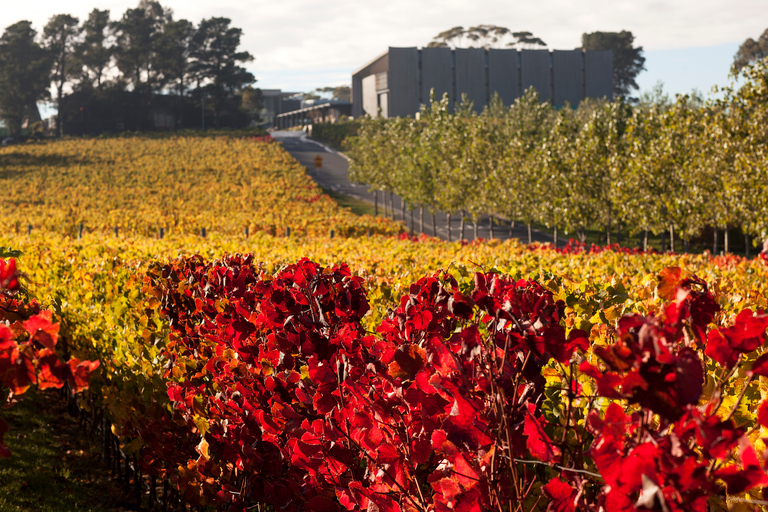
762,413
669,280
563,496
760,366
538,442
408,361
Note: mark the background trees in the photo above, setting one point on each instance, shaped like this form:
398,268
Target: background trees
485,36
93,53
215,59
339,92
628,61
176,46
24,74
136,72
60,36
138,50
750,51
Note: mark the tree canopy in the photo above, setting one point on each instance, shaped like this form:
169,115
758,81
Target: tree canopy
60,36
485,36
339,92
24,74
750,51
93,54
120,64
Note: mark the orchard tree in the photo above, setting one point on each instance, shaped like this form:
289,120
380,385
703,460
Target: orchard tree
370,160
748,131
461,177
589,168
521,187
492,147
25,68
554,178
628,60
61,38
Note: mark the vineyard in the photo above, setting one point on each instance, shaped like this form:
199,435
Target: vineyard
180,185
288,369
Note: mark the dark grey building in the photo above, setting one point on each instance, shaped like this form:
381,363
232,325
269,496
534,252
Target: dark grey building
274,102
398,82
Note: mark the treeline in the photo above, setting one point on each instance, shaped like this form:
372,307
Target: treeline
677,169
140,71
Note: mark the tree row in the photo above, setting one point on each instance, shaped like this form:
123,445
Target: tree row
674,168
146,52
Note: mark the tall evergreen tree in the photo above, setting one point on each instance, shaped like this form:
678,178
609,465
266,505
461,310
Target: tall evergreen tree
25,68
216,61
61,37
137,34
94,52
628,61
174,50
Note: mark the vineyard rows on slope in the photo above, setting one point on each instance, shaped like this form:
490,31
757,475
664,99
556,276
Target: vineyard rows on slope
405,372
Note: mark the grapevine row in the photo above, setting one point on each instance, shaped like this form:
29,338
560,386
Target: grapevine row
285,399
145,185
251,387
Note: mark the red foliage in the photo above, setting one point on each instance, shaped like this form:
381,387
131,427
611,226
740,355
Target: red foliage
9,277
764,252
576,247
284,398
28,339
421,237
260,138
726,345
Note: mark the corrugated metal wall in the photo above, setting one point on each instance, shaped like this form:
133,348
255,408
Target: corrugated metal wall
598,74
403,81
568,77
436,73
470,76
536,72
504,74
559,76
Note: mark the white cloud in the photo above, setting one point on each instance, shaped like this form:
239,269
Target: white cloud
302,39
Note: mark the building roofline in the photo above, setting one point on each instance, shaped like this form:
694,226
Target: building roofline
330,104
370,63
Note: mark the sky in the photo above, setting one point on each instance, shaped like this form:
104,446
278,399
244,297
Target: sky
299,45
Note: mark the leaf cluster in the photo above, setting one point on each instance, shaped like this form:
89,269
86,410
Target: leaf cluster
471,396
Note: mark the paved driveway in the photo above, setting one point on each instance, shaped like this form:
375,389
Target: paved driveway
333,175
